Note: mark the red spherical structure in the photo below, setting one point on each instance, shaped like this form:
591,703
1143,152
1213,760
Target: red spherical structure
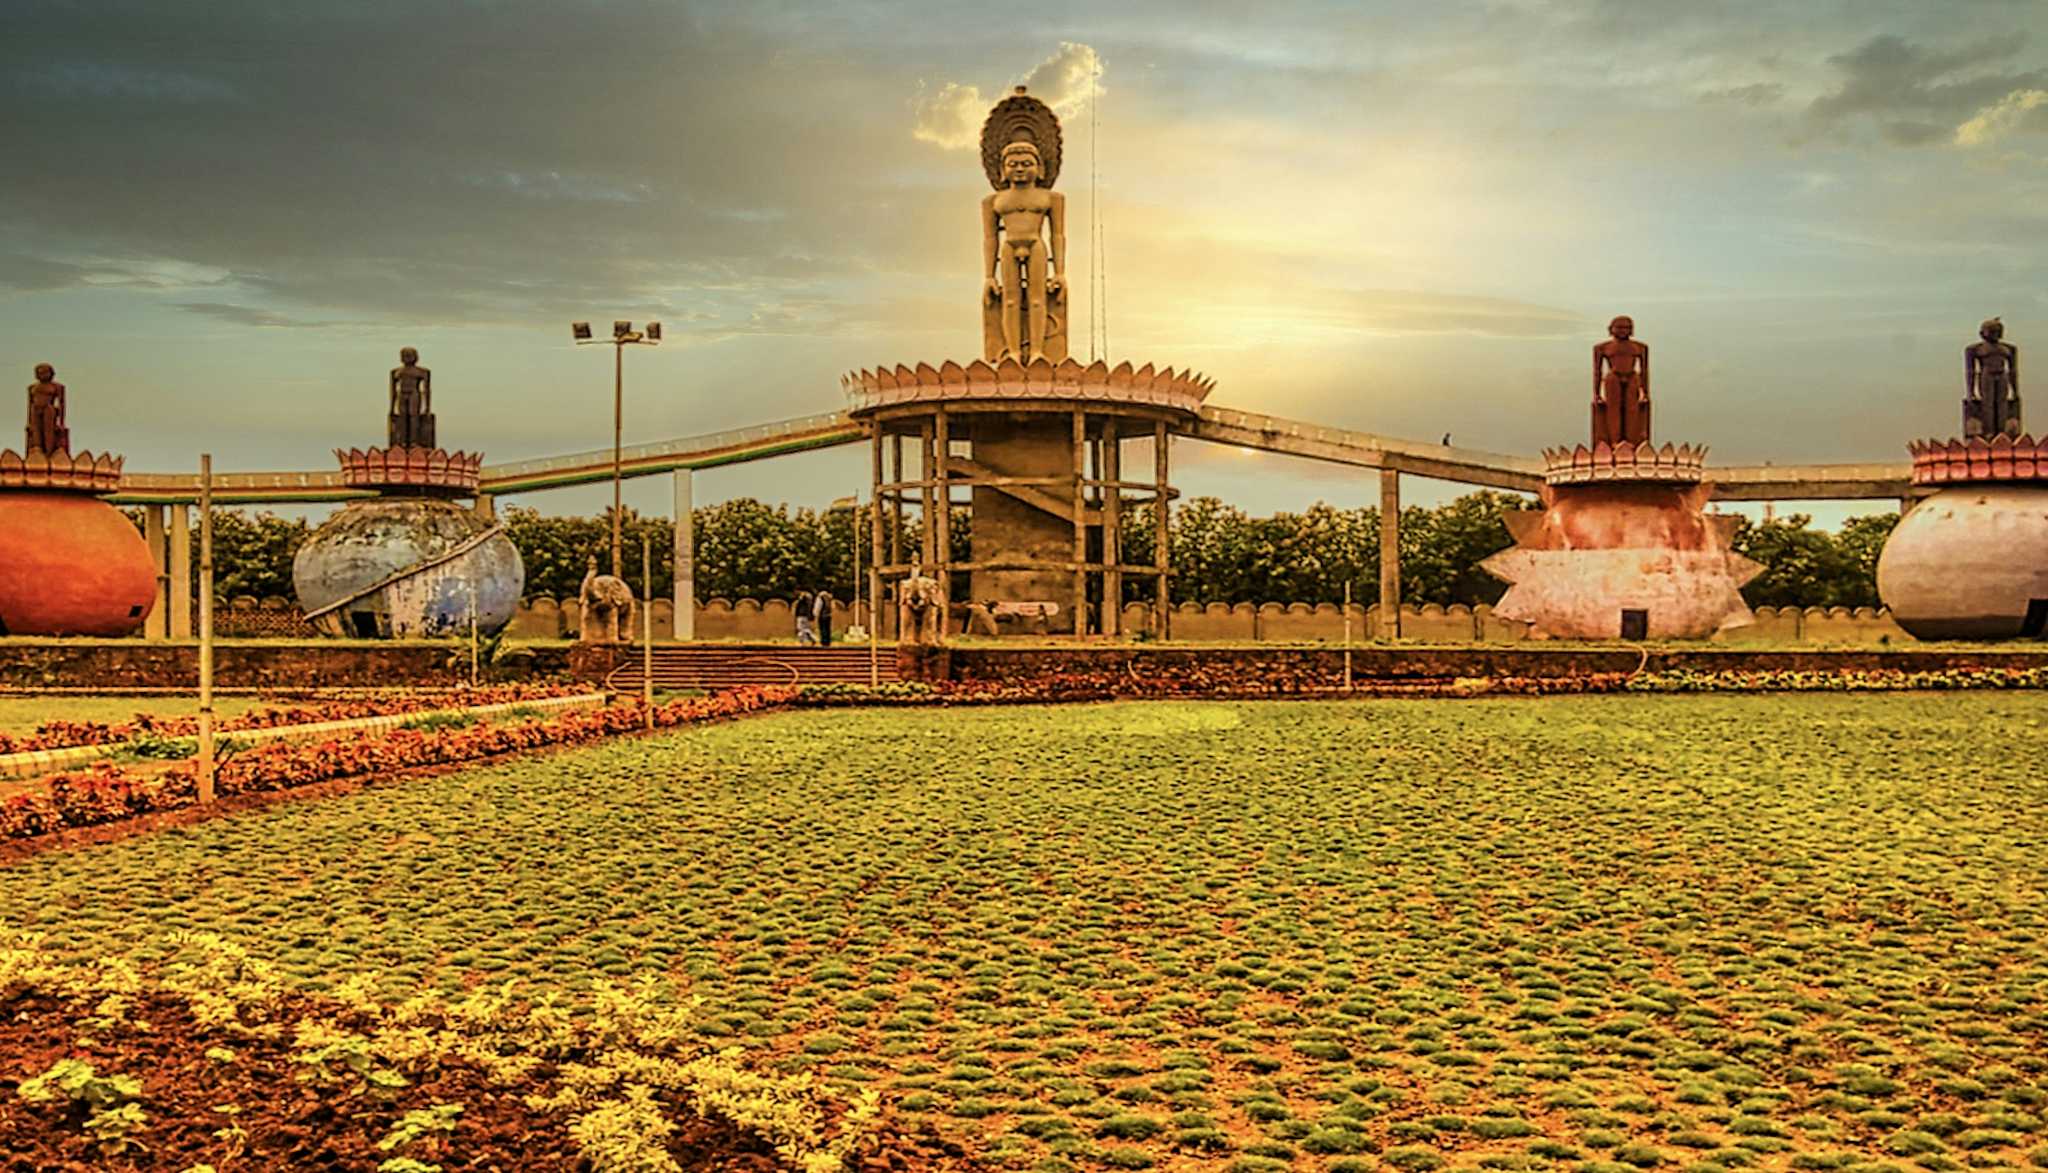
71,564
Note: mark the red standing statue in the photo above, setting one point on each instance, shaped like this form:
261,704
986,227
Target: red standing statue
47,432
1621,386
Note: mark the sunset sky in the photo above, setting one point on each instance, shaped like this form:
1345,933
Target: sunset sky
222,221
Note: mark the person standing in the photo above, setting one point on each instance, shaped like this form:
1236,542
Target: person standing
822,615
805,633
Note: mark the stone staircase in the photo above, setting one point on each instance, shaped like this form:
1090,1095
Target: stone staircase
716,666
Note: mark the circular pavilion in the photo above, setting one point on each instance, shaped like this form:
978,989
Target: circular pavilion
1038,450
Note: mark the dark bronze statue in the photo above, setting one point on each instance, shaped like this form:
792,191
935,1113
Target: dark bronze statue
412,402
1991,384
1621,386
47,431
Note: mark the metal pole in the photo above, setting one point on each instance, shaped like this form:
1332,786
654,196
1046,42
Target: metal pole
1080,464
1347,635
647,626
206,629
686,559
472,632
618,438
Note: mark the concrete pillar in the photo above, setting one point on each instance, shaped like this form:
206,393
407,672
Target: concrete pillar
686,557
1080,523
943,499
875,536
1112,523
486,507
179,602
1390,554
1162,622
157,626
928,533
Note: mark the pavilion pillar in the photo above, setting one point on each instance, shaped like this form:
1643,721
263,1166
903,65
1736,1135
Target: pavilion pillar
1162,616
486,507
875,528
896,496
178,602
1111,467
943,499
1080,523
685,555
1390,554
157,625
928,533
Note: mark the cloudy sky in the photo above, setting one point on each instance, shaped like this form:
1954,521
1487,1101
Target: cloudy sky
222,220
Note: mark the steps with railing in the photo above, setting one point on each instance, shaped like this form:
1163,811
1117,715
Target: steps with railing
716,666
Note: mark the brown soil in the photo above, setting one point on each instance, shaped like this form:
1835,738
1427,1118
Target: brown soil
196,1104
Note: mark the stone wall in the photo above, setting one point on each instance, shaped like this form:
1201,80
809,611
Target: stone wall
1325,666
115,665
543,618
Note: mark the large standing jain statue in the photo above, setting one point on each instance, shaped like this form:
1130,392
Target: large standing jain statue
1023,233
1969,559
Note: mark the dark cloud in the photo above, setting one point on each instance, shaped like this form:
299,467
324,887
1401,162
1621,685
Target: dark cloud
1916,95
450,165
240,315
1763,93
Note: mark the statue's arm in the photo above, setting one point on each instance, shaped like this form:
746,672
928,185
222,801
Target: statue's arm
1969,372
426,391
2012,364
1056,252
1597,398
393,409
988,238
1643,396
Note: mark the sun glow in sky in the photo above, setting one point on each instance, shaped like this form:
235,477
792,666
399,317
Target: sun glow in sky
223,221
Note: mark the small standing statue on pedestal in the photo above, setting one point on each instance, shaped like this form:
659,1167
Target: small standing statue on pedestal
412,402
47,432
1621,386
1991,384
1023,234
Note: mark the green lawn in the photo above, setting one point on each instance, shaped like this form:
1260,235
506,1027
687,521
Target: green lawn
21,714
1775,930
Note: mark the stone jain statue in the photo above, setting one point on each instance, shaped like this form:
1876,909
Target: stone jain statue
606,604
1991,384
1023,234
412,402
47,432
1621,386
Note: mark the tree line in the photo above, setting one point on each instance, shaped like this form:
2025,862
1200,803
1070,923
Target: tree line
748,549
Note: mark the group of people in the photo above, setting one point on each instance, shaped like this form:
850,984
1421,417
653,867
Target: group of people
814,619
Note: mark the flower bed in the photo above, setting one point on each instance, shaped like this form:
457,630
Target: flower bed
107,792
62,734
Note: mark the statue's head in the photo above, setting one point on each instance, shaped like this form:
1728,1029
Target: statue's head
1623,327
1992,330
408,355
45,372
1021,164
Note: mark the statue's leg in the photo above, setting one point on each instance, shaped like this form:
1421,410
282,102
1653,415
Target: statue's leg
1013,305
1037,292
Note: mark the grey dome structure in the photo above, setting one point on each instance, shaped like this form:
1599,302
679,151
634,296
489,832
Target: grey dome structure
1970,562
407,567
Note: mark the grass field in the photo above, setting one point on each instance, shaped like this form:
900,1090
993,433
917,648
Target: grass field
1626,932
21,714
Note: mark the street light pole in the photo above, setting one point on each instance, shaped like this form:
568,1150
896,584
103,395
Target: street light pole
623,335
618,440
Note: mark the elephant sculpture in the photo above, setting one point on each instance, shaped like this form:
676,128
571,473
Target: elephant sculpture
607,608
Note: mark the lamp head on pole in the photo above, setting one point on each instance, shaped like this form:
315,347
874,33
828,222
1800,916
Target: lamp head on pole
653,331
621,328
580,331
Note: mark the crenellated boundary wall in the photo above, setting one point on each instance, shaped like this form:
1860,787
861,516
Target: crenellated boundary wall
544,618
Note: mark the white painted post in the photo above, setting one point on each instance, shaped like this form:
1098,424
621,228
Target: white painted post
686,559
